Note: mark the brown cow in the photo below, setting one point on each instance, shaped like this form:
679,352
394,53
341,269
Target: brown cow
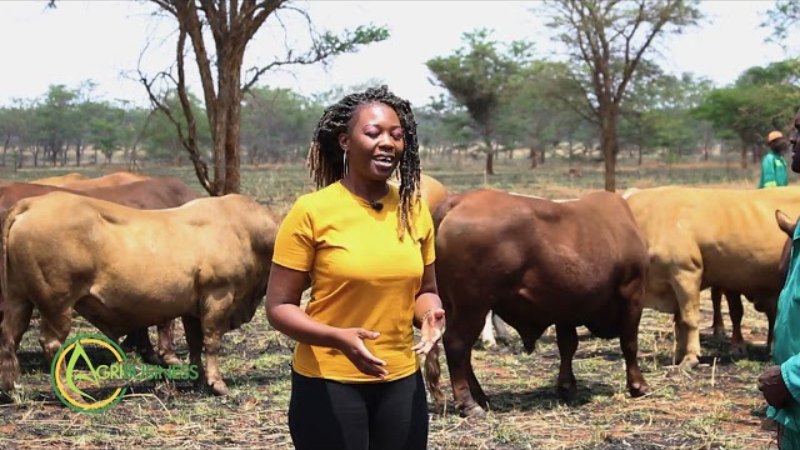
536,263
153,193
124,269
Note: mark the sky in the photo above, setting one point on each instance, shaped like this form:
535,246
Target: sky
106,41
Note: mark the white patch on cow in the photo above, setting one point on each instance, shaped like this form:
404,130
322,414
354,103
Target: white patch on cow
629,192
487,335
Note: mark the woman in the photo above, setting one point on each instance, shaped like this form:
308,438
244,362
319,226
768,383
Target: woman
368,250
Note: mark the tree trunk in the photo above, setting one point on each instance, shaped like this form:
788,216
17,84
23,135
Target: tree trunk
608,139
534,159
5,147
744,156
487,140
544,150
640,155
78,153
490,162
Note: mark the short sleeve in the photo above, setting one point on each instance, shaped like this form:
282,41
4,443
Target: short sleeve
294,244
426,234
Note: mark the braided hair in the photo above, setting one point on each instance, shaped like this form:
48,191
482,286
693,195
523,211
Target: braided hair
325,155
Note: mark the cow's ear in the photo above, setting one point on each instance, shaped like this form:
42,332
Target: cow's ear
785,223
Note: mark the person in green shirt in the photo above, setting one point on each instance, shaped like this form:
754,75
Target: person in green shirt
773,167
780,383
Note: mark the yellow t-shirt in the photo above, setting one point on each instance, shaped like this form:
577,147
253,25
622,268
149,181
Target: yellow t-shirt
362,276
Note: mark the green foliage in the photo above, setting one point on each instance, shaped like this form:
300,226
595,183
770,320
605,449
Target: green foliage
479,76
784,15
277,124
762,99
161,142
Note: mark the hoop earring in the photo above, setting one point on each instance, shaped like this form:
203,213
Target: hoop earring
344,164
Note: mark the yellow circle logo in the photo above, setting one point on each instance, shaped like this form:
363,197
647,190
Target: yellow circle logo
73,373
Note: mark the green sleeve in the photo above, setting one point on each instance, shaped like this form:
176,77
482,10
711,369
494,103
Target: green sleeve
790,371
768,175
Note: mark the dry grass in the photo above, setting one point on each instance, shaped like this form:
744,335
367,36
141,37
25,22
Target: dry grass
714,406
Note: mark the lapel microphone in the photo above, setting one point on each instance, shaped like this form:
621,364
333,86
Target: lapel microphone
377,206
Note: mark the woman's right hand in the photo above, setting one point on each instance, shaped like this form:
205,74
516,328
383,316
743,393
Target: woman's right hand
351,343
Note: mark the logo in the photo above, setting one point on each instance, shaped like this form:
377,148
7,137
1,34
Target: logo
92,384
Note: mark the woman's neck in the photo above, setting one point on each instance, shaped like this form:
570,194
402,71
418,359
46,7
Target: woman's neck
369,190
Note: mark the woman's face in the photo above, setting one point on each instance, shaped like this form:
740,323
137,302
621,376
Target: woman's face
375,142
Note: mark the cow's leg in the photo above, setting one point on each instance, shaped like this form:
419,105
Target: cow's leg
139,341
165,343
686,285
459,336
212,321
716,301
632,299
16,319
503,336
736,309
567,339
194,339
53,331
487,333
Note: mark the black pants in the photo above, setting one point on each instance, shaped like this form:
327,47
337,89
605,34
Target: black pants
326,414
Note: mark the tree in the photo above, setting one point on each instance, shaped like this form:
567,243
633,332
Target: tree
762,99
607,40
784,15
276,124
232,25
478,76
445,126
160,141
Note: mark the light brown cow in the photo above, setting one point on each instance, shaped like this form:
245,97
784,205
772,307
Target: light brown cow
61,179
699,238
432,191
124,269
113,179
536,263
151,193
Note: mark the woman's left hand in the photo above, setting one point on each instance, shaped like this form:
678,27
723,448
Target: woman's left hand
431,332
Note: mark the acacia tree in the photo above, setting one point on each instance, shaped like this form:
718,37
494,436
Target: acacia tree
607,40
784,15
478,76
219,58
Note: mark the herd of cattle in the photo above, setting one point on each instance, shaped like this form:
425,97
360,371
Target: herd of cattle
127,252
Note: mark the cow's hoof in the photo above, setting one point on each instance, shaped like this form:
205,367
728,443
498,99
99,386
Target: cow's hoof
504,341
6,397
689,362
738,349
719,333
638,389
219,388
567,392
474,411
171,359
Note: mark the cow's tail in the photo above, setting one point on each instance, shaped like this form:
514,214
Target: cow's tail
432,374
9,364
